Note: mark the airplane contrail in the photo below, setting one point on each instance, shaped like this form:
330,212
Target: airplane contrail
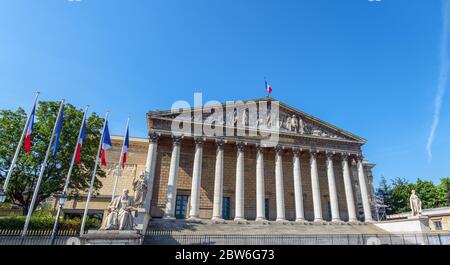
443,75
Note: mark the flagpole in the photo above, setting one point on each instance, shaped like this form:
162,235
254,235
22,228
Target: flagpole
16,154
41,173
120,162
66,185
265,86
91,187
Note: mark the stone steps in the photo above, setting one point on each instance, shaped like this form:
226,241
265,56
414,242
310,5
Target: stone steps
271,228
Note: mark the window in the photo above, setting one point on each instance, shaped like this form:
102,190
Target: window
181,206
226,208
437,225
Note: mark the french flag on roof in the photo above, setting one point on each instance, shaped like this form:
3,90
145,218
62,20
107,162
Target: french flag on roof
29,131
80,142
268,87
125,149
106,143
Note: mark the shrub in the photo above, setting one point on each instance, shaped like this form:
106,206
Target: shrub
45,221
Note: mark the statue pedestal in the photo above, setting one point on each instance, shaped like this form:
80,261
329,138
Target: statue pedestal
418,217
415,224
112,237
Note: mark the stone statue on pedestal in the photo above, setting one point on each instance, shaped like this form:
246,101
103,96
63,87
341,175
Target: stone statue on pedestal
120,216
415,203
140,190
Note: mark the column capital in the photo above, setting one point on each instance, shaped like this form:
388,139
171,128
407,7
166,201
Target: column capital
240,146
199,141
313,153
153,137
177,139
359,157
345,156
279,149
296,151
329,154
220,143
259,148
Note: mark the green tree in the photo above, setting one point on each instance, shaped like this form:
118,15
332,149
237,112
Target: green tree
383,192
444,192
428,194
399,197
26,171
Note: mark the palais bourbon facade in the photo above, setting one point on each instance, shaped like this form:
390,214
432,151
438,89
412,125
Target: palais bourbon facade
312,171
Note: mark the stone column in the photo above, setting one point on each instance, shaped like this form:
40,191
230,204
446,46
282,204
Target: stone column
260,197
173,176
298,194
239,204
364,192
348,189
149,176
194,213
279,185
218,183
315,187
332,189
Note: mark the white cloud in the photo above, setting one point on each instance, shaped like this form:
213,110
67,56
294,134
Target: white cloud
443,75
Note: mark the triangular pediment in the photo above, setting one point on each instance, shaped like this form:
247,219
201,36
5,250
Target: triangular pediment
289,121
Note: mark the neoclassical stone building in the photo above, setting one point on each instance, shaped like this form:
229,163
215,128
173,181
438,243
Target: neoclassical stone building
314,171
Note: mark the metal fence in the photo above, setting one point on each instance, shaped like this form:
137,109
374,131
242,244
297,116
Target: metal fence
68,237
174,238
39,237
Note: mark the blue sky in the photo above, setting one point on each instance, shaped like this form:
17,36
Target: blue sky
371,68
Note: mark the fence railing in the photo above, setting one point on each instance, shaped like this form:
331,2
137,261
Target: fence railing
67,237
38,237
174,238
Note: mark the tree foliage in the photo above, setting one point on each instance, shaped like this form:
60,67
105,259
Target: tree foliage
25,174
396,195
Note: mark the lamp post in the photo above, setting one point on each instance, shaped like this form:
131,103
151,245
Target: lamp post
2,196
62,200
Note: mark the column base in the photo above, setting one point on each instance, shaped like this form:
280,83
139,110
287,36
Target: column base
194,219
217,220
240,220
301,221
168,217
261,220
281,221
319,221
336,221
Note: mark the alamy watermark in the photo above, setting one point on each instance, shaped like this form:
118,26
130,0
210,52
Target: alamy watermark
259,120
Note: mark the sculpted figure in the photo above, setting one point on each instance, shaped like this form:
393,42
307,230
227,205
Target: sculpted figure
244,118
269,119
301,126
120,216
287,124
235,117
140,190
294,124
415,203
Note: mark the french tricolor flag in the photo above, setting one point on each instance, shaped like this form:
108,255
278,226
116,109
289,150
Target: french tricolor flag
29,131
80,142
268,87
125,149
106,143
